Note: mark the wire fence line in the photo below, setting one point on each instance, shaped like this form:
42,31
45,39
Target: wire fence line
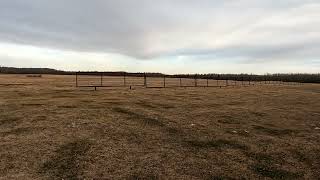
97,80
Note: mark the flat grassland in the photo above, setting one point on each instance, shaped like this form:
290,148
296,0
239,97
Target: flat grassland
51,130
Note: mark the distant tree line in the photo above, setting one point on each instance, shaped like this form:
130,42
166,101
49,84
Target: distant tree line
298,77
13,70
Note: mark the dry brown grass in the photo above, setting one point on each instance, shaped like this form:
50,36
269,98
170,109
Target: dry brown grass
51,130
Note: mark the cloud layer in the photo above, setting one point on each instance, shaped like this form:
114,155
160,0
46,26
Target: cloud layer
252,30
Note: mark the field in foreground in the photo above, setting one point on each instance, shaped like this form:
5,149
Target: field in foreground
51,130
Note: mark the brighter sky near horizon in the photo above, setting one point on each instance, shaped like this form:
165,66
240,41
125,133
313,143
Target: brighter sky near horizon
168,36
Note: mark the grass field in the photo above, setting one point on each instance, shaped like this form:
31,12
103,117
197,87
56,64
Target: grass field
51,130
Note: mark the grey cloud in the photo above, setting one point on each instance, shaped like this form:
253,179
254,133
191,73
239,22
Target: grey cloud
146,29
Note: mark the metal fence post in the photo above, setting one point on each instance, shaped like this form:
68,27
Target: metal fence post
101,79
124,79
195,81
76,79
145,80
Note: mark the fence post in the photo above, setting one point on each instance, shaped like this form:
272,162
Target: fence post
76,79
164,81
124,79
195,81
207,82
101,76
180,83
145,80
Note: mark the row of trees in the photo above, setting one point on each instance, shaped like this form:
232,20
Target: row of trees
303,78
12,70
298,77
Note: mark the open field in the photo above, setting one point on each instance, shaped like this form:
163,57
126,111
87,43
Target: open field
51,130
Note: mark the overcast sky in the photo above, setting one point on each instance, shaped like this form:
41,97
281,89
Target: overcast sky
170,36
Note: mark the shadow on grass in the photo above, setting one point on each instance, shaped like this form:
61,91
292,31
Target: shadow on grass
142,176
229,120
274,173
67,106
220,143
275,132
221,178
18,131
67,163
8,121
265,166
139,117
154,105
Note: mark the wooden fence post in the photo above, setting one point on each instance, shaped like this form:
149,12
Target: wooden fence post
164,81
